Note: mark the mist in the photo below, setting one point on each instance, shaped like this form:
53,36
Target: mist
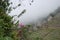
37,10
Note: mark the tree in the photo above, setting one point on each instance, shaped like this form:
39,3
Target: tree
6,23
5,19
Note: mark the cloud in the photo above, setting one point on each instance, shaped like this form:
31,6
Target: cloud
38,9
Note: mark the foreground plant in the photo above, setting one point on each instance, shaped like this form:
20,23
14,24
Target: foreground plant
23,32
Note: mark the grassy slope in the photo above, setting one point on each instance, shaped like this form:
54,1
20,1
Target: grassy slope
49,32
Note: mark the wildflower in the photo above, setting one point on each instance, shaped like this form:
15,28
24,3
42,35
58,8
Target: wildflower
21,25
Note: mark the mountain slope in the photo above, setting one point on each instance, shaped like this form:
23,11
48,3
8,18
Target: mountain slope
48,31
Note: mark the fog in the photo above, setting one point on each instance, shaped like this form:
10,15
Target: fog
37,10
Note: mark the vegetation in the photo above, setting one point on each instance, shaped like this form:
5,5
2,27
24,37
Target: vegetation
9,30
49,30
7,26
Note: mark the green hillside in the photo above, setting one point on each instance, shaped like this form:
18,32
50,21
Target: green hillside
48,31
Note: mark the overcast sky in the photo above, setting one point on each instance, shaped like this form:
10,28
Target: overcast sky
38,9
